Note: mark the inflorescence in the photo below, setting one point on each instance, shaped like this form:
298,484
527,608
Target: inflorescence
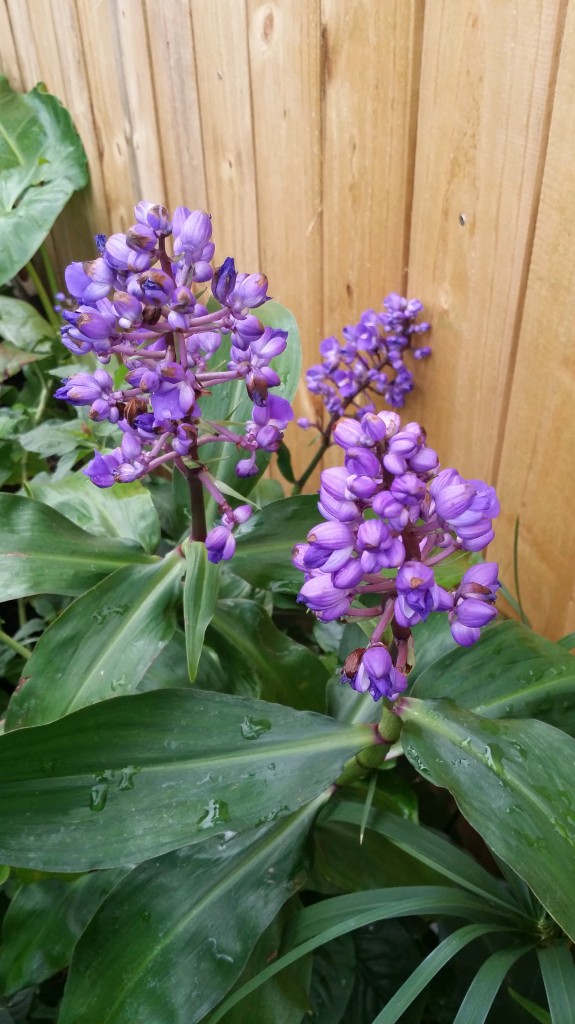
390,517
144,305
370,360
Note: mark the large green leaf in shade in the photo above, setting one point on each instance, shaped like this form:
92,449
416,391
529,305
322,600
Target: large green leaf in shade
199,913
42,552
42,162
511,672
134,777
514,782
263,662
124,510
265,542
200,596
324,921
102,644
43,923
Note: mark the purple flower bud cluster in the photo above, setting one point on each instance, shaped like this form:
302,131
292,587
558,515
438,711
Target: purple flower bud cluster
370,360
390,516
144,304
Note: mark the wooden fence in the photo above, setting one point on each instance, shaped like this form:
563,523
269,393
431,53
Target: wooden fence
348,148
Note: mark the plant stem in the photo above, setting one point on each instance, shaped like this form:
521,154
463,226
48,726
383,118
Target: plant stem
12,643
49,269
42,295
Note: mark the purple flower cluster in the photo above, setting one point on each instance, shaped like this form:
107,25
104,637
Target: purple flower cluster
371,359
144,305
390,517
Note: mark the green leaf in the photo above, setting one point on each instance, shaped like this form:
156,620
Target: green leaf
23,326
558,970
101,645
124,510
42,552
513,781
131,778
431,849
322,922
284,463
231,402
427,970
12,360
536,1011
265,542
42,162
262,661
200,595
284,998
486,984
200,911
510,672
43,923
568,642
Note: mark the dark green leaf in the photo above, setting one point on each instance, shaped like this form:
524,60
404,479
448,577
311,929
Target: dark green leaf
42,163
334,972
340,915
199,913
430,849
12,360
124,510
284,463
101,645
558,970
486,984
261,661
42,552
264,543
510,673
535,1011
427,970
568,642
514,782
200,595
131,778
43,923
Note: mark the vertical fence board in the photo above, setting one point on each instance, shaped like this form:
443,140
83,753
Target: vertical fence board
538,465
371,75
220,35
487,72
174,75
9,63
285,74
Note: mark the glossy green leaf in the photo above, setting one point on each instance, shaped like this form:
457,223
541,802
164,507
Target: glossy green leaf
102,644
200,596
284,998
324,921
558,970
335,969
431,966
43,923
265,542
124,510
486,984
263,662
510,673
42,552
513,781
430,849
131,778
199,913
42,162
